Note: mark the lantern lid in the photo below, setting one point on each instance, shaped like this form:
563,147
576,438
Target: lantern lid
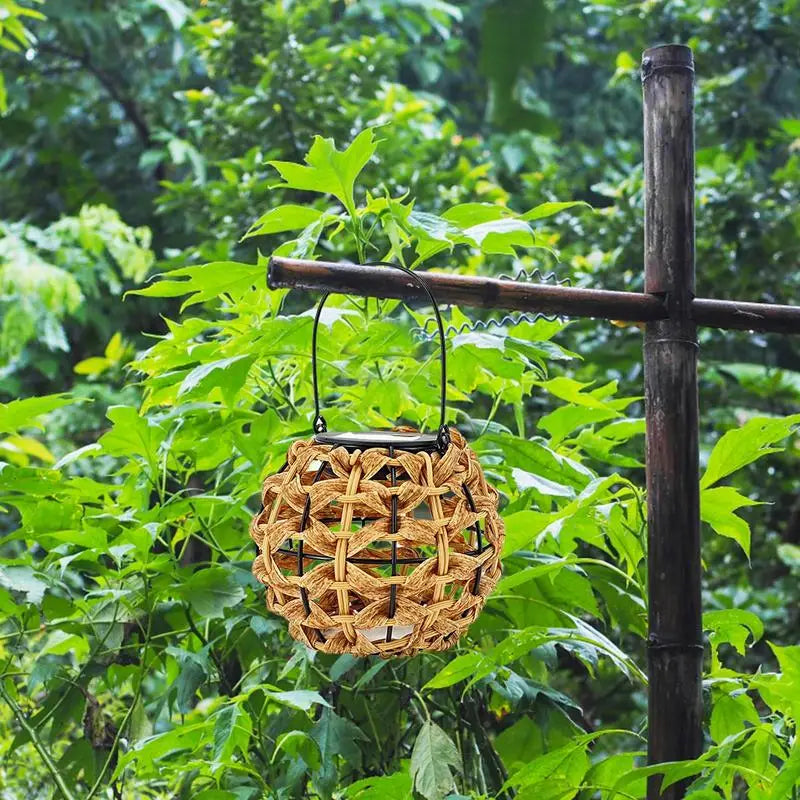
361,440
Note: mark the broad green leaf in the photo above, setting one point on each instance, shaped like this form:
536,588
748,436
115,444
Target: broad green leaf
523,527
232,730
75,455
132,435
154,748
288,217
529,480
791,126
741,446
729,713
207,282
509,582
302,699
176,10
115,348
433,757
537,458
191,677
549,209
382,787
24,446
731,626
717,507
606,772
92,366
298,744
328,170
209,591
460,668
563,768
227,374
500,237
574,392
566,419
788,779
335,736
19,414
468,215
23,579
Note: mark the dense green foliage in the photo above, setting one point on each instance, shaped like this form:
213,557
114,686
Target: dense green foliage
154,154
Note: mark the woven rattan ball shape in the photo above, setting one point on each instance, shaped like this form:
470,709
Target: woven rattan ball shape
379,543
378,550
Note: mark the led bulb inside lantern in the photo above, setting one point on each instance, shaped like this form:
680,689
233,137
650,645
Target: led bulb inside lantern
380,633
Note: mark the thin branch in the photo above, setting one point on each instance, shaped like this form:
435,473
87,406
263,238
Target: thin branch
132,112
37,743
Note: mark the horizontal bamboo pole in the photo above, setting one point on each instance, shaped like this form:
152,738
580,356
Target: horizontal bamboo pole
505,295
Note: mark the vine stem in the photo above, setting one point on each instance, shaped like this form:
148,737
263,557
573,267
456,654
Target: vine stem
137,694
37,743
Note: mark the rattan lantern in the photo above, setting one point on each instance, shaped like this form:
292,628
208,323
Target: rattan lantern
380,542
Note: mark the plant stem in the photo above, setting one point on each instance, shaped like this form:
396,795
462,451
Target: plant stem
37,743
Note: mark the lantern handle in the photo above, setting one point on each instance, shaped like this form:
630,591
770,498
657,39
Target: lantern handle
320,426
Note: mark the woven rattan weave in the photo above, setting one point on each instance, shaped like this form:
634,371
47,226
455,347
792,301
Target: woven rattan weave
378,551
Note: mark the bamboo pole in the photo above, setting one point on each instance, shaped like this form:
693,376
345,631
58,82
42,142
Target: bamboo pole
505,295
675,649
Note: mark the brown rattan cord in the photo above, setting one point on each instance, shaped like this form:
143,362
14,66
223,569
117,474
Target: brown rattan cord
376,562
358,601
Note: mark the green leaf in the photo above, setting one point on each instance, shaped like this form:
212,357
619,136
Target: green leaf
566,419
232,730
459,669
537,458
191,677
515,579
298,744
335,736
22,579
529,480
382,787
731,626
717,505
288,217
302,699
500,237
92,366
741,446
432,758
25,413
791,126
207,282
132,435
210,591
227,374
175,10
467,215
562,768
787,780
729,714
549,209
329,170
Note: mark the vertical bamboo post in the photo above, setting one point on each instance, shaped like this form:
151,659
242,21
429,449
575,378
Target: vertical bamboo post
675,649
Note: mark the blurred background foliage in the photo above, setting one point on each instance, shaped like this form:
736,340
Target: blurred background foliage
135,140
